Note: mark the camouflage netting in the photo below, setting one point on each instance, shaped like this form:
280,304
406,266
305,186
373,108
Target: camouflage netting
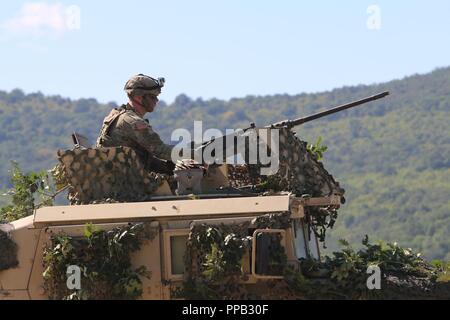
299,171
105,175
8,252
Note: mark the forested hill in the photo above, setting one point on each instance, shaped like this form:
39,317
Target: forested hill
392,156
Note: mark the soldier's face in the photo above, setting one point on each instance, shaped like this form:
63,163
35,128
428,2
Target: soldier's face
149,102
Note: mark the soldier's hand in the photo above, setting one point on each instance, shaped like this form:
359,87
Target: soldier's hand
187,164
161,166
170,165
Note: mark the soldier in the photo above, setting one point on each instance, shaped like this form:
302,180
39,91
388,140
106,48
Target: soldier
126,126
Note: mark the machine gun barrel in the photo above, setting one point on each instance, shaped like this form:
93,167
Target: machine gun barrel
296,122
299,121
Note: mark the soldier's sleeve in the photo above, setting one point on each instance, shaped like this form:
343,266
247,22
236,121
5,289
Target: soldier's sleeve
150,140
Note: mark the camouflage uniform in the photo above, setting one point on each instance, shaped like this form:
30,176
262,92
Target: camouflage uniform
124,127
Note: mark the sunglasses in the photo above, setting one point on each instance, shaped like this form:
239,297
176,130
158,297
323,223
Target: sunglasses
152,96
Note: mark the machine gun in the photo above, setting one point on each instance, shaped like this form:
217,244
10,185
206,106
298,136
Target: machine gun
292,123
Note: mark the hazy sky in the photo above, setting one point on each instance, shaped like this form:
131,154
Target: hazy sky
217,48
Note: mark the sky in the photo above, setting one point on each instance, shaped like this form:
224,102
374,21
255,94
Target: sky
217,48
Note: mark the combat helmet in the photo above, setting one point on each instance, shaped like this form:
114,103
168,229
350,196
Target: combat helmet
140,85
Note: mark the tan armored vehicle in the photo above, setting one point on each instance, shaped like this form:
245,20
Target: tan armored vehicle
195,220
163,255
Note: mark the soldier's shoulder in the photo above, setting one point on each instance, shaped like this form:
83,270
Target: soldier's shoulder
112,114
135,121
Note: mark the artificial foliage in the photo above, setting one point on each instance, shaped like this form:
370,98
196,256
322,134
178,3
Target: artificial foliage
215,269
104,260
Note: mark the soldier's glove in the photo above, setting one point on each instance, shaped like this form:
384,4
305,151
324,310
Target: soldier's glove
162,166
189,164
170,166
